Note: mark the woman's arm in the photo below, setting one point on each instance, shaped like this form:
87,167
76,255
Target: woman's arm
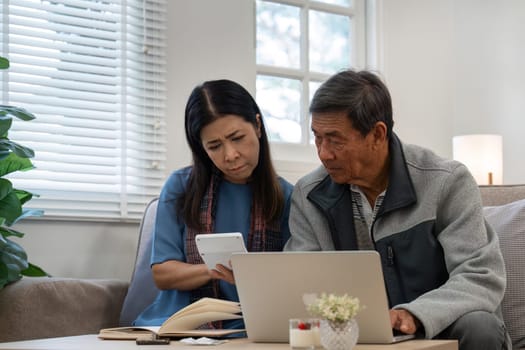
179,275
173,274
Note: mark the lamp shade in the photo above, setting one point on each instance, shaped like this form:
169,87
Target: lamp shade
483,156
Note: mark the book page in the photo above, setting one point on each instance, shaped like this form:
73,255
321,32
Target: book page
127,333
192,321
204,333
209,304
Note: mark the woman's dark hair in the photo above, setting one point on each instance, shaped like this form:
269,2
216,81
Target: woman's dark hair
361,95
208,102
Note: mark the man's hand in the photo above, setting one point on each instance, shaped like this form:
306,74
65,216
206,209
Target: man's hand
404,321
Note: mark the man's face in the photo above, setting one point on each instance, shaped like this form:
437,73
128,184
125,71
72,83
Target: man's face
348,156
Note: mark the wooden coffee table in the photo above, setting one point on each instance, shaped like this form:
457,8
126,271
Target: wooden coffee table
91,341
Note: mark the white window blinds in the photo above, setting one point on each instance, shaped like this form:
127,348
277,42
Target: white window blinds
93,73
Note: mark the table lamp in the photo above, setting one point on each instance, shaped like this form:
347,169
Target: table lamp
483,156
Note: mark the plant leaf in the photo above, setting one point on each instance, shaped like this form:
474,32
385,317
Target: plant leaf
21,113
10,208
6,187
7,231
14,264
13,272
23,196
4,154
19,150
34,271
5,125
14,254
4,63
5,276
14,163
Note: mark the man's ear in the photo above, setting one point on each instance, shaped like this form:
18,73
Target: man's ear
379,132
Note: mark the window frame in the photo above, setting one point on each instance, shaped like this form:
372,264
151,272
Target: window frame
286,154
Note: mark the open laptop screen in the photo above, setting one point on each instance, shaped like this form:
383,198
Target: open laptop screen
271,286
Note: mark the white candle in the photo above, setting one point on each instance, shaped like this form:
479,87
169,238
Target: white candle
305,338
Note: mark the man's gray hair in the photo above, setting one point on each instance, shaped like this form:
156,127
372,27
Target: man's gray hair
360,94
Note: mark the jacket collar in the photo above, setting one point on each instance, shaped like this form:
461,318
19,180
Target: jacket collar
400,191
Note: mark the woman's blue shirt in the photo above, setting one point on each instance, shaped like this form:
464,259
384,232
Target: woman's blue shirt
232,215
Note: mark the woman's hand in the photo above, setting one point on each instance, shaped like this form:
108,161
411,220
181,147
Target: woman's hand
223,273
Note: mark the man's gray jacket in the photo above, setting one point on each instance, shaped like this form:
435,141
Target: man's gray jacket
440,258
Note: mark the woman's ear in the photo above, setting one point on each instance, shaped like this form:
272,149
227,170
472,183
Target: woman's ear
259,125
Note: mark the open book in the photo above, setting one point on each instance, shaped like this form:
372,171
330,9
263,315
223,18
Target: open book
184,323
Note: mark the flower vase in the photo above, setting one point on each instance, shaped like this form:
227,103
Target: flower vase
339,335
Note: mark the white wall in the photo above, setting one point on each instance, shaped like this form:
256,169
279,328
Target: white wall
456,67
452,66
417,65
490,76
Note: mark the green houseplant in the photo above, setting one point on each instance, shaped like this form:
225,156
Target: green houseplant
13,157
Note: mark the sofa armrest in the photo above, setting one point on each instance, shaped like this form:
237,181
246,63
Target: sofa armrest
45,307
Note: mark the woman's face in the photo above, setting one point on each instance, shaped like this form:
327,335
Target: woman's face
233,146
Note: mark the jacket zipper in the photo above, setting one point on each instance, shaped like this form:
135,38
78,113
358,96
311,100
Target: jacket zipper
390,255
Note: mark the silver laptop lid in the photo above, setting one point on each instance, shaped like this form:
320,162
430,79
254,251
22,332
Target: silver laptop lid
271,286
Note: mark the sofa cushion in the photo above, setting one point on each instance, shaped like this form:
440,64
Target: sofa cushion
509,222
493,195
142,290
43,307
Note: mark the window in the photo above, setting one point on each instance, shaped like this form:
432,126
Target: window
92,72
300,43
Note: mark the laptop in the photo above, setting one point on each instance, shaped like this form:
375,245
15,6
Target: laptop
271,286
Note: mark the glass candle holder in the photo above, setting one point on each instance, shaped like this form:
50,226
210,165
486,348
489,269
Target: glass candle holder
304,333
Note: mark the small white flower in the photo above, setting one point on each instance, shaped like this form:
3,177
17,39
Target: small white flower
335,308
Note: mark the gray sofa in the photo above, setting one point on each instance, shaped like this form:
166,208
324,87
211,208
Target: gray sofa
41,307
52,307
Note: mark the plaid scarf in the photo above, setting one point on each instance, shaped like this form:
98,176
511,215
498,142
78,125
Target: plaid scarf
263,236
